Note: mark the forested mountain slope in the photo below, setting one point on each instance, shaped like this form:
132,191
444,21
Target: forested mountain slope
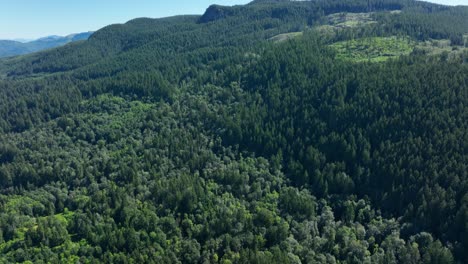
274,132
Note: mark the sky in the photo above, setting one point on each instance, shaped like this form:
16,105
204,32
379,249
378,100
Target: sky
31,19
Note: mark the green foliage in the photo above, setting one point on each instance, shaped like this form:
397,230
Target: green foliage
376,49
196,140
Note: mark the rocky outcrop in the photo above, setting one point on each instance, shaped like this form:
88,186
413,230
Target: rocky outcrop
215,12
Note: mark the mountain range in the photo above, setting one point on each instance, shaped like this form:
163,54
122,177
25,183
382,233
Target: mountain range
10,48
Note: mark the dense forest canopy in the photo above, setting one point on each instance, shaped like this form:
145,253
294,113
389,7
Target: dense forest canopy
273,132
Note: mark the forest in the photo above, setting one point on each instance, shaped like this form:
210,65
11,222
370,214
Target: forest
325,131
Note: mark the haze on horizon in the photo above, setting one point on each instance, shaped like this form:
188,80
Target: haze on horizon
32,19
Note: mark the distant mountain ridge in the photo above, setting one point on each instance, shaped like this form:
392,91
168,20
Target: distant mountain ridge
10,48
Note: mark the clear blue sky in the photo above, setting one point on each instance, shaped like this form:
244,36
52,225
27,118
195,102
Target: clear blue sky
37,18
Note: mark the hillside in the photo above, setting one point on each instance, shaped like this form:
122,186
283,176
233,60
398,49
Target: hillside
10,48
273,132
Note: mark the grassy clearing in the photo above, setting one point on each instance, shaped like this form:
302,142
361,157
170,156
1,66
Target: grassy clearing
435,47
375,49
350,20
65,217
285,36
438,47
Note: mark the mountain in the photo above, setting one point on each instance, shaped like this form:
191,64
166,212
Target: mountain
10,48
22,40
273,132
